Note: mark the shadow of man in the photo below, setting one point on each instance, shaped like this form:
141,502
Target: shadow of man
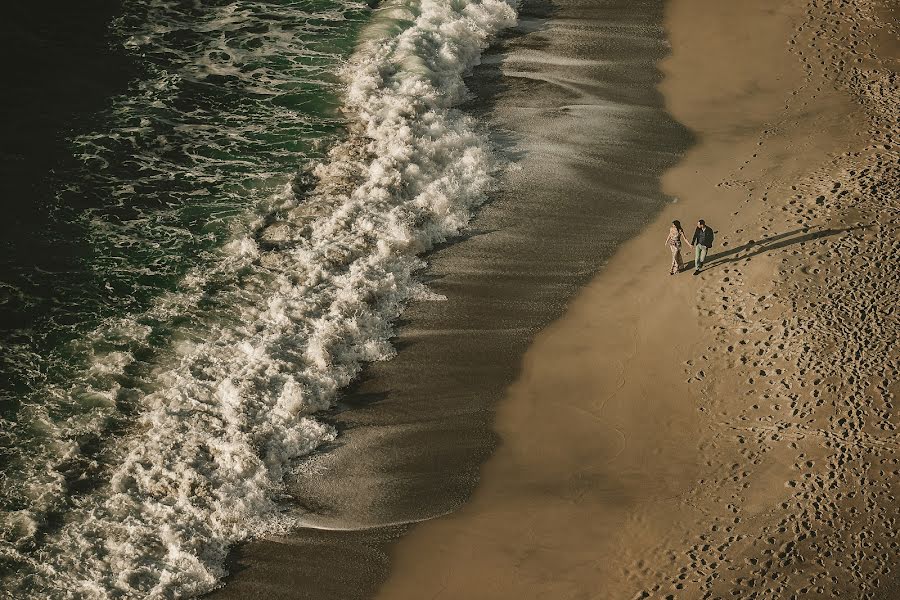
775,242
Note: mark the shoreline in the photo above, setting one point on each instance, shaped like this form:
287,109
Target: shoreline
415,430
718,435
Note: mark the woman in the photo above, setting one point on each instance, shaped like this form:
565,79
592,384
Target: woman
676,235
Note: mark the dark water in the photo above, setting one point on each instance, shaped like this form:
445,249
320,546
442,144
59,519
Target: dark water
61,71
130,139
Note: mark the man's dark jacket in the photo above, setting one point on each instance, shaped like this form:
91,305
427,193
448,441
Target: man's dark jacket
704,237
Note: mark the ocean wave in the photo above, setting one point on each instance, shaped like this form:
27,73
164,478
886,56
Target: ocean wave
302,297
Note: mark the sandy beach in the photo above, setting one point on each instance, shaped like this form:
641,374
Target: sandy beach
730,434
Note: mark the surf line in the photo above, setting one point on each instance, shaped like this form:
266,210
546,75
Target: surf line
231,411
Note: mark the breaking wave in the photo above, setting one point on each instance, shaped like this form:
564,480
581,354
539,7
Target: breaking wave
164,459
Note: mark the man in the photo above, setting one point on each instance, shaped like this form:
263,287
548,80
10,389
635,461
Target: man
703,240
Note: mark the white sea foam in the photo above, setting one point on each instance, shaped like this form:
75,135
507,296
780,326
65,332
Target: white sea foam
308,299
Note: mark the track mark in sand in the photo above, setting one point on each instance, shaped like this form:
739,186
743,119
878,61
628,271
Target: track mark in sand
815,349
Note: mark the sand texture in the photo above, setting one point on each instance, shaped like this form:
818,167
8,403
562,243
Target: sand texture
733,434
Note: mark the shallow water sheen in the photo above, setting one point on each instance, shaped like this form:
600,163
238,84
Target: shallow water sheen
235,277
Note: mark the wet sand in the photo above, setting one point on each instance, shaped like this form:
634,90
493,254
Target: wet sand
731,434
571,98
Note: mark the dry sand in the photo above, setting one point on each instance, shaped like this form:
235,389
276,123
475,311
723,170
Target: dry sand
730,435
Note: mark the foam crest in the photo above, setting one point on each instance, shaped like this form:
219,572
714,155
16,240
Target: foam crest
295,306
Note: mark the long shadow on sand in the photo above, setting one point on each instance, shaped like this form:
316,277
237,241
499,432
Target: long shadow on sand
776,242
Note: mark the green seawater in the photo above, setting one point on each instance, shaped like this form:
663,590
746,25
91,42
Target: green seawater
230,101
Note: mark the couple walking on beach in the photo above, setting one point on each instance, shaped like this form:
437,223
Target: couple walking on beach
701,243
